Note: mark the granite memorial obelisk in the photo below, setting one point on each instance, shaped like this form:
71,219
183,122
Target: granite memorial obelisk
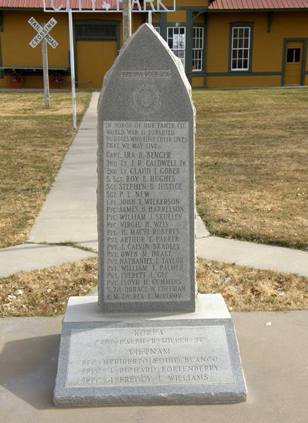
147,338
146,182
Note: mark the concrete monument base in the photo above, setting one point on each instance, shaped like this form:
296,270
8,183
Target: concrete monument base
148,359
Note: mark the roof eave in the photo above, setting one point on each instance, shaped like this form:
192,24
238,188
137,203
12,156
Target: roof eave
298,9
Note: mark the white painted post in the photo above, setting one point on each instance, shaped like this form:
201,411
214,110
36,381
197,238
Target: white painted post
45,73
127,19
150,18
72,63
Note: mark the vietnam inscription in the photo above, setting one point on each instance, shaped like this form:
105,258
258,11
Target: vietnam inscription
149,356
146,220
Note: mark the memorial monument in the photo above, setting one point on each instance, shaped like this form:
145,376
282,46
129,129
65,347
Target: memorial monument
148,338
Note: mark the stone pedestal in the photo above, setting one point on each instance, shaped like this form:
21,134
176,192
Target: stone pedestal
148,359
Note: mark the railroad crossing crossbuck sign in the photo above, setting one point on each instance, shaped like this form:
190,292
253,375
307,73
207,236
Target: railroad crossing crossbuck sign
43,37
43,32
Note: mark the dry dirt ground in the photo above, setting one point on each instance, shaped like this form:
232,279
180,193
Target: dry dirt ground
45,292
252,184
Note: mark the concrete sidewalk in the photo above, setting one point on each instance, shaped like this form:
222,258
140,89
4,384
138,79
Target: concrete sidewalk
249,254
27,257
69,212
275,362
69,215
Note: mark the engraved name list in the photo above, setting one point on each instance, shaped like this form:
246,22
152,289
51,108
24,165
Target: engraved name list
146,213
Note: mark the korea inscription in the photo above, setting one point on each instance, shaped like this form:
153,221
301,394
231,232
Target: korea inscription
146,218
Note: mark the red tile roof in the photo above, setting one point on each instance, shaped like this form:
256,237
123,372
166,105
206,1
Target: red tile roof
257,4
13,4
214,5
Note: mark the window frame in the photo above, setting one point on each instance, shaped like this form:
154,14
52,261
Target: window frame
196,49
173,28
295,49
241,25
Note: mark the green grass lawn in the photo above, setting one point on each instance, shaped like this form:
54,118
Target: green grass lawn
252,164
33,142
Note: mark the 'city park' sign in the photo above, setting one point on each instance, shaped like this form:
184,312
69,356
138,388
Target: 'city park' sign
111,6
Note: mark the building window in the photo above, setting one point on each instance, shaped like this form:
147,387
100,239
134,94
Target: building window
157,28
176,37
241,45
198,48
95,30
293,55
